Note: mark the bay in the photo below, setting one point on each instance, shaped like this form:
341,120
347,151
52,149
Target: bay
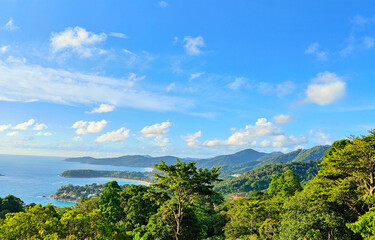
32,177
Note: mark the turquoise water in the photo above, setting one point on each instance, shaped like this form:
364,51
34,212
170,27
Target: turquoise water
30,177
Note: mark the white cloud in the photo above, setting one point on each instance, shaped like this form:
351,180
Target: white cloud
161,142
21,82
265,143
89,127
114,136
195,75
163,4
77,40
246,136
132,79
361,21
40,126
4,127
10,25
193,45
19,60
314,49
170,87
175,40
191,139
238,83
282,118
46,134
326,88
321,137
368,42
103,108
284,140
156,129
4,49
118,35
12,134
281,89
24,125
77,138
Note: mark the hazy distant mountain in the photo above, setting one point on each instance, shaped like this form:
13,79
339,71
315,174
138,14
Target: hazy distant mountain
232,163
249,157
129,160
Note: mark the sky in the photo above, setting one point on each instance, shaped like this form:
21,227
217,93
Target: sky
183,78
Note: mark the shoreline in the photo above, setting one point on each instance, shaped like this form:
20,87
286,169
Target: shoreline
127,179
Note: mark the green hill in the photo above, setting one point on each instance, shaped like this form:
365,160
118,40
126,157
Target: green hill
299,155
260,178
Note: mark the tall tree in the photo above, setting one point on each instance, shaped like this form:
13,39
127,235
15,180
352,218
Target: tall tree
109,202
182,185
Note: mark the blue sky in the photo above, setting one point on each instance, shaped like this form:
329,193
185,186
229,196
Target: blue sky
185,78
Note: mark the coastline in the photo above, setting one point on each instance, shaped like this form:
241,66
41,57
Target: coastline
127,179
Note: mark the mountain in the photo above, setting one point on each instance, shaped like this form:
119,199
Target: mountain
236,163
299,155
128,160
249,157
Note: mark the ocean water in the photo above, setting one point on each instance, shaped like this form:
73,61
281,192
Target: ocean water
31,177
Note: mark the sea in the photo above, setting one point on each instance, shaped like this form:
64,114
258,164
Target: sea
34,178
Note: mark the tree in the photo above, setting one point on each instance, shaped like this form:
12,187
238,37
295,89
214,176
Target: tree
285,185
10,204
109,202
180,186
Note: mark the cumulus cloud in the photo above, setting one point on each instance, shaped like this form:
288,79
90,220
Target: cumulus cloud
156,129
78,40
282,118
84,127
103,108
161,142
118,35
314,49
12,134
321,137
10,26
193,45
46,134
40,126
22,82
4,127
170,87
265,143
246,136
114,136
326,88
4,49
24,125
163,4
285,141
191,139
238,83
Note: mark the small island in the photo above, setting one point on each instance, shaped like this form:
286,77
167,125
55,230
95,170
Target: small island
142,177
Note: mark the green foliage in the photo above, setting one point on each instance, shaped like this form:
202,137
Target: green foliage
259,179
137,209
180,189
285,185
365,225
109,202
